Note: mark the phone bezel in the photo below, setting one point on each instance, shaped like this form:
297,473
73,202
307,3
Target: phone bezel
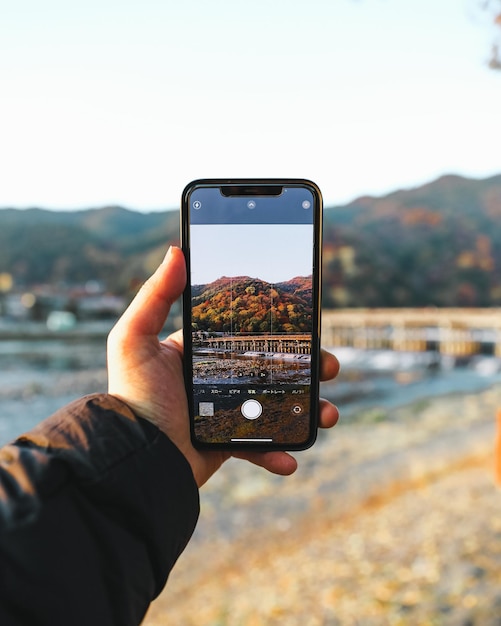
249,184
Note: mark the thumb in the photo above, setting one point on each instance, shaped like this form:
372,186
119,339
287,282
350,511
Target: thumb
148,311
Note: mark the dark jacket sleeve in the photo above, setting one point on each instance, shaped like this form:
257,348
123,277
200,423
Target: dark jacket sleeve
96,505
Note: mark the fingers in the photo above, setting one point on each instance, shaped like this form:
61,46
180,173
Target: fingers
329,414
176,338
329,369
148,311
281,463
329,365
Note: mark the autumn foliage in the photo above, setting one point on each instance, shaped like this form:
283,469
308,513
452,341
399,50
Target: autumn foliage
249,305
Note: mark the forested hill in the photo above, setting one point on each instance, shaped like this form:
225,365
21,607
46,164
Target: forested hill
111,244
435,245
250,305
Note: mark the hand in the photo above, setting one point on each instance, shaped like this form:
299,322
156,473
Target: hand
147,374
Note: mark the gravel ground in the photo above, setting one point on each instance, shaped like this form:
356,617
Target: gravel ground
392,519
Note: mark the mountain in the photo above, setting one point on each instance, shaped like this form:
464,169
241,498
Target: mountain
113,245
250,305
436,245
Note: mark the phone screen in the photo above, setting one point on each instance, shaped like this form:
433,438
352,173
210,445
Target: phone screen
251,314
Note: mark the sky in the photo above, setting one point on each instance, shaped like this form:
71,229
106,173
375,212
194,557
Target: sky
126,101
271,252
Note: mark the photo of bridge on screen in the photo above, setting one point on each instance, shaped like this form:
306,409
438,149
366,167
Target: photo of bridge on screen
249,331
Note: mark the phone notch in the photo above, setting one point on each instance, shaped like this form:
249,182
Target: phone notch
232,191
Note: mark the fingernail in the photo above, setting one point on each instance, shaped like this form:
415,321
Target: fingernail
167,255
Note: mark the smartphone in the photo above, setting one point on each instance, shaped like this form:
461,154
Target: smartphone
251,312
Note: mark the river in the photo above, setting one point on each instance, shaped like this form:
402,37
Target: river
39,376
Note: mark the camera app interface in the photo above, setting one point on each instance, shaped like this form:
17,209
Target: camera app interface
252,315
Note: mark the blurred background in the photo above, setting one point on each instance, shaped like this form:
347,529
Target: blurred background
108,109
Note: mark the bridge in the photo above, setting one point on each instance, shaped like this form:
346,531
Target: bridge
451,331
285,344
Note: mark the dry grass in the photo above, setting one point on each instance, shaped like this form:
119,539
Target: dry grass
393,523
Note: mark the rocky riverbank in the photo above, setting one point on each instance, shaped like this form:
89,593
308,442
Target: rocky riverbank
391,519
